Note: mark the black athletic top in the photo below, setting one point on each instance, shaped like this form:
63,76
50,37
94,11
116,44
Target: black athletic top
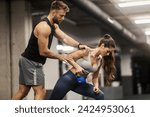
32,50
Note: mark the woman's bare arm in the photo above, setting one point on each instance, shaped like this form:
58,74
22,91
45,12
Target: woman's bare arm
72,57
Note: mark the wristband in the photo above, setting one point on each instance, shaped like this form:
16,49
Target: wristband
79,46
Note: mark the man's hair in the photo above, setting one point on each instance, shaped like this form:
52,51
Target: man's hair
58,5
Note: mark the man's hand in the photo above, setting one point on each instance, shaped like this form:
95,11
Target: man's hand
81,46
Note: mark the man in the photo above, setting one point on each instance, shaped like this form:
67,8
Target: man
38,49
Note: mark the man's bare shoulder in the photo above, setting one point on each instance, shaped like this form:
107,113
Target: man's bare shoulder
43,25
42,28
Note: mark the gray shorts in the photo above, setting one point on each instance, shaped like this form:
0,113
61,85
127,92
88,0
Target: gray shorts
31,73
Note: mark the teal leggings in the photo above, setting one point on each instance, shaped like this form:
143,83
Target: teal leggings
68,82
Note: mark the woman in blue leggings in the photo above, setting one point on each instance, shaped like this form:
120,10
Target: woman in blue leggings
84,63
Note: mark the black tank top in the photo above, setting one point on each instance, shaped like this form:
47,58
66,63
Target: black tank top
32,50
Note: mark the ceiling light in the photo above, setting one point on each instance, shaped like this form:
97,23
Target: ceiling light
147,32
110,20
142,21
136,3
140,16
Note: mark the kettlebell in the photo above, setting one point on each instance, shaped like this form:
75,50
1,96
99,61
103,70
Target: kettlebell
81,80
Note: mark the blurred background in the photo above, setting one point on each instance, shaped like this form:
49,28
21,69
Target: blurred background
127,21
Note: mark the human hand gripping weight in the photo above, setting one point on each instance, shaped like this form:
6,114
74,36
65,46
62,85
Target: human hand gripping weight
81,79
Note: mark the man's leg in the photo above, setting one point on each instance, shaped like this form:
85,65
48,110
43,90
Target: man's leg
22,92
39,91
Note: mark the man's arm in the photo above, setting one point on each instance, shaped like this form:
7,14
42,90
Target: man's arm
67,39
42,32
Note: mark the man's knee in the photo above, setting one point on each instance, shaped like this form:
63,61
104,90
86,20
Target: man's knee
39,90
23,90
39,93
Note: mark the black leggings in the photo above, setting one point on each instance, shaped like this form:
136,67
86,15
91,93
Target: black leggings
68,82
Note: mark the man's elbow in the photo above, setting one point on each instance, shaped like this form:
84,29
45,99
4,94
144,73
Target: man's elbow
44,53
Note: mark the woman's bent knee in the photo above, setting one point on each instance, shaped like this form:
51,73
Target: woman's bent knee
100,96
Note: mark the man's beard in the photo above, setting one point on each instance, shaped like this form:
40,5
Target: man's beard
55,20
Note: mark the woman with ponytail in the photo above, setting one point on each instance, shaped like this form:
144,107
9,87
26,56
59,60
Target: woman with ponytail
85,63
